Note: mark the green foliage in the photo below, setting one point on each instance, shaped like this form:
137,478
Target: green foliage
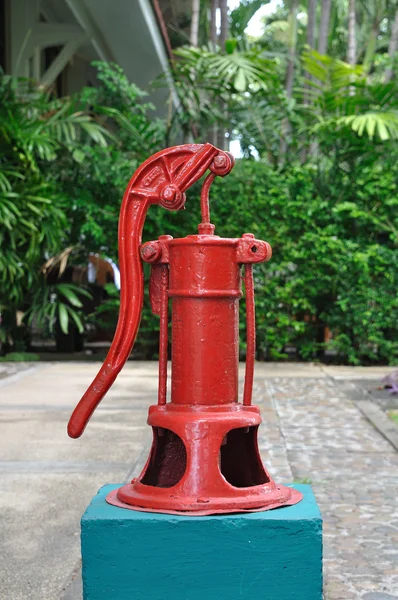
35,133
63,166
106,314
95,184
20,357
54,305
204,78
346,102
242,88
334,257
323,190
332,264
241,16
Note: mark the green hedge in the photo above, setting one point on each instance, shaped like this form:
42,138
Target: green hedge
334,240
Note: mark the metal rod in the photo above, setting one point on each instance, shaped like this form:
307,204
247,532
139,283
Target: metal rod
163,334
250,335
204,198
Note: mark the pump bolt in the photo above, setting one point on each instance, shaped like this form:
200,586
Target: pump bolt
220,161
150,252
172,198
169,193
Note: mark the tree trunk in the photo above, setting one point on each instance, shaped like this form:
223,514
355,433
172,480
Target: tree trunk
213,23
222,142
324,26
311,24
194,39
352,43
224,31
212,133
291,49
311,14
371,46
289,71
392,46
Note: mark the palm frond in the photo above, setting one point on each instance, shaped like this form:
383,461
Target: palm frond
384,124
333,73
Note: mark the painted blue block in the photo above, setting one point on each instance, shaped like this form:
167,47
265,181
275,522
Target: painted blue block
272,555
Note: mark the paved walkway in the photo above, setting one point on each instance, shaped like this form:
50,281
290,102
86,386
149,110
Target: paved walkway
314,431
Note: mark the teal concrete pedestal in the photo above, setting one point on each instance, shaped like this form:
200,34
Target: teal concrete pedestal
271,555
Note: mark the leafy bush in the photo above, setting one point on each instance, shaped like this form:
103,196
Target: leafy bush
95,182
20,357
63,166
58,304
334,257
35,133
333,222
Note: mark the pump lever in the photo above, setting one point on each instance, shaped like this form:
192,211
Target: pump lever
162,179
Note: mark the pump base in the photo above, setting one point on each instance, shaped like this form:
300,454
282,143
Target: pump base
293,497
204,460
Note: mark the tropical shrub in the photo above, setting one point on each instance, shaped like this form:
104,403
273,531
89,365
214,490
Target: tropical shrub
94,184
334,258
332,222
35,131
63,166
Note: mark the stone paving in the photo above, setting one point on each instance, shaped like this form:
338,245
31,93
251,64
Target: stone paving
312,432
323,439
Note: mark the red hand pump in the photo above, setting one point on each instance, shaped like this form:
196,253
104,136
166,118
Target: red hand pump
204,457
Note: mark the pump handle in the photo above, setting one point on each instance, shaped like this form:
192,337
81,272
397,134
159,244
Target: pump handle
162,179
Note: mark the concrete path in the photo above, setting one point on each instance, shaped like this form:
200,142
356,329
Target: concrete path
314,431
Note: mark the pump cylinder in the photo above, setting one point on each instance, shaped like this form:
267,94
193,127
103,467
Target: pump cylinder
205,288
